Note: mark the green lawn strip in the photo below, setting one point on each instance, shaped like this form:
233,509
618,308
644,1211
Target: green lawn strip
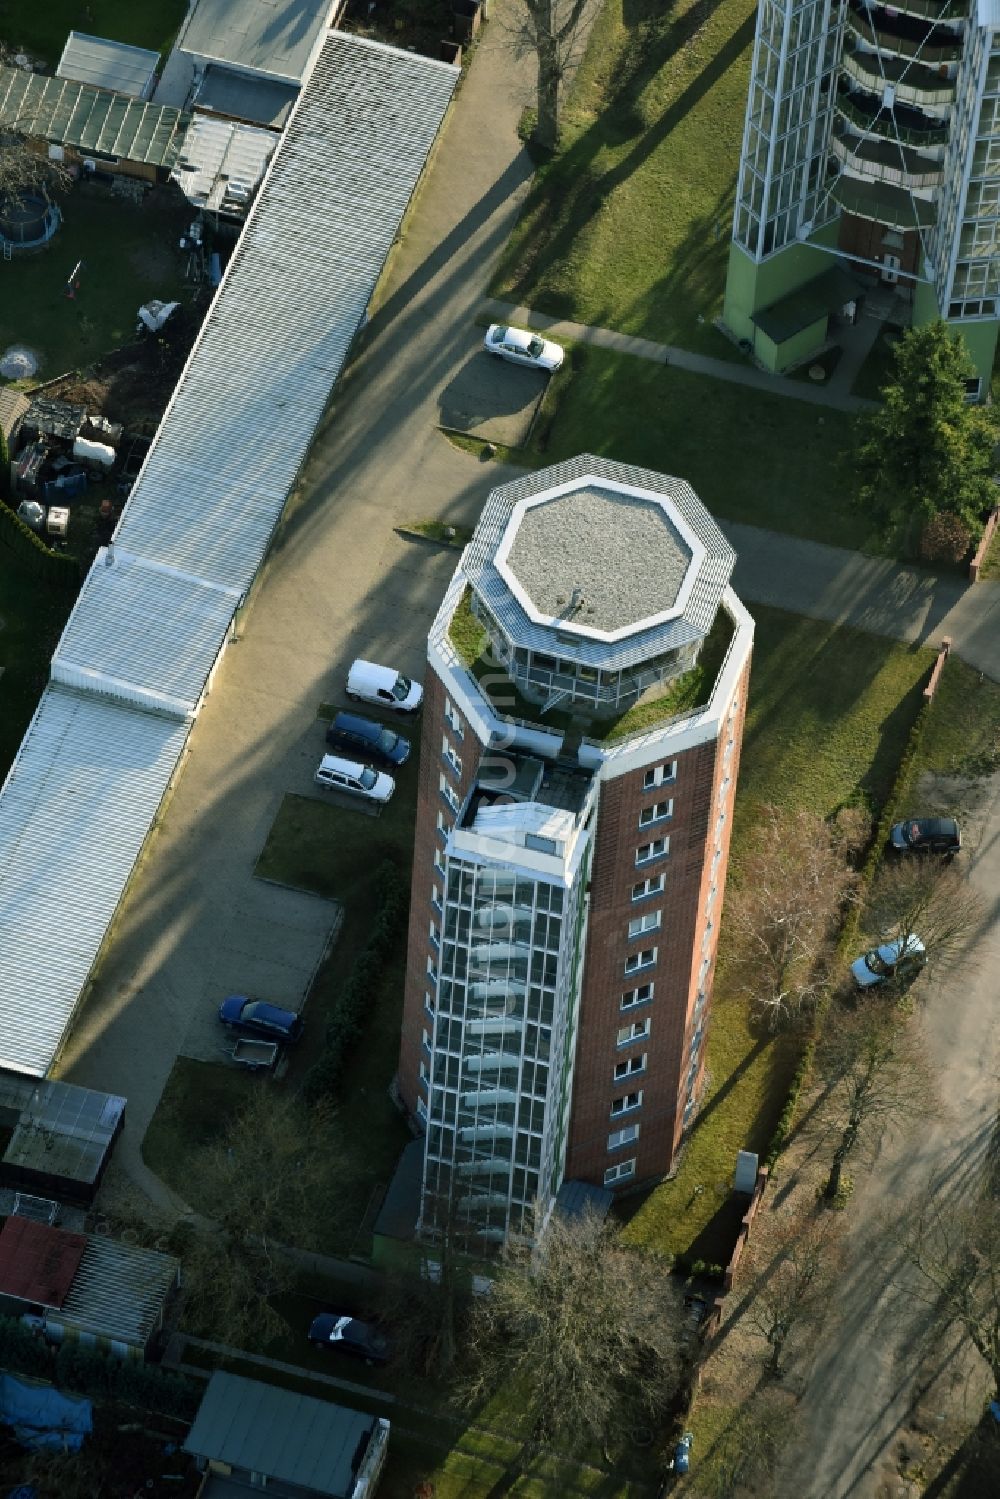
129,255
31,619
991,562
877,367
750,456
43,29
962,734
628,227
828,717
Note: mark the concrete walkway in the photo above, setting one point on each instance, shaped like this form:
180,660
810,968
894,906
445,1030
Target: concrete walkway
870,593
682,359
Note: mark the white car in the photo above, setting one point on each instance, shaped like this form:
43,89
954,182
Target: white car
522,347
896,959
335,774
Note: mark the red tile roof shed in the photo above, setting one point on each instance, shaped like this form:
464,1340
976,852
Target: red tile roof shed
38,1263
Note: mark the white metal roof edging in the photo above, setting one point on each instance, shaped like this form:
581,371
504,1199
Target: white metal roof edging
376,88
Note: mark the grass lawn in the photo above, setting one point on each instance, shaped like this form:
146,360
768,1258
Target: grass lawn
31,618
42,29
628,227
129,255
828,717
750,456
878,367
962,733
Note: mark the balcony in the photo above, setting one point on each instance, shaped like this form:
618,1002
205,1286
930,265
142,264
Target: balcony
881,161
903,36
883,203
935,10
468,641
911,82
909,126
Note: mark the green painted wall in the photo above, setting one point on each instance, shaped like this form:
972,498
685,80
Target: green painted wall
980,339
751,285
779,357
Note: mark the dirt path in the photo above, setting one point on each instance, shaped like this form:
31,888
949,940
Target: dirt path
878,1363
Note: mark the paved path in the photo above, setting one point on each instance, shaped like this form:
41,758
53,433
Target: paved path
683,359
871,593
874,1353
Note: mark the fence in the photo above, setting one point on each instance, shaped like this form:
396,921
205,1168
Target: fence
979,557
714,1318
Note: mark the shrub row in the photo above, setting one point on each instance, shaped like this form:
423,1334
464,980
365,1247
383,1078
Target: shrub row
88,1372
783,1127
57,568
344,1024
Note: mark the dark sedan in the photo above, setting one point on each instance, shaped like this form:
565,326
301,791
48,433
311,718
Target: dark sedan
348,1335
367,740
254,1017
926,835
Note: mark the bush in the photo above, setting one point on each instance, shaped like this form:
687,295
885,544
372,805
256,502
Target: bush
57,568
944,538
343,1026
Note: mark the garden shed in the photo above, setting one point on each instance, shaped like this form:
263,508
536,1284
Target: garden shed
109,65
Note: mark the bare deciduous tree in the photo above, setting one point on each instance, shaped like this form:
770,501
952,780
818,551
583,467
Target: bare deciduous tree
783,909
554,32
923,898
793,1289
590,1334
425,1305
273,1179
25,163
956,1251
876,1065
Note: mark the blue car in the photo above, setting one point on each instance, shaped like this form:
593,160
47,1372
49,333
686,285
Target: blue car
254,1017
365,739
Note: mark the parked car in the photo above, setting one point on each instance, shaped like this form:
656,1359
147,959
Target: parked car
255,1017
335,774
522,347
370,740
367,682
348,1335
898,959
926,835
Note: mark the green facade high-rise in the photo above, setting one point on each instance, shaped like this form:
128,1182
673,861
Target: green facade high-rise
871,154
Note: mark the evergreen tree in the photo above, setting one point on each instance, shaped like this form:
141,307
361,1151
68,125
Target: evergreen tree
927,450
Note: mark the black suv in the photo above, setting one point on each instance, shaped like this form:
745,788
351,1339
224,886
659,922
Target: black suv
926,835
367,740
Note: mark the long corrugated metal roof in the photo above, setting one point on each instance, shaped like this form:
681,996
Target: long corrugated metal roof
291,1438
68,113
94,764
74,813
118,1290
143,634
259,377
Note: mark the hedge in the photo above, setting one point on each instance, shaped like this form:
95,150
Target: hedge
58,568
86,1371
344,1024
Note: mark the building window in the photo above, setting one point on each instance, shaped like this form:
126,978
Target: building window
451,755
647,852
626,1104
425,1076
422,1109
443,826
435,934
658,812
437,897
637,1031
627,1135
640,996
652,886
432,972
635,962
439,861
620,1172
426,1040
428,1002
449,793
452,719
660,775
630,1067
649,921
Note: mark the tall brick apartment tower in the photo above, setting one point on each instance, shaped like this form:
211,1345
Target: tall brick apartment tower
581,739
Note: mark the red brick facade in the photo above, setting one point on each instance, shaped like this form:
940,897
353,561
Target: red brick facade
698,798
426,841
866,238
